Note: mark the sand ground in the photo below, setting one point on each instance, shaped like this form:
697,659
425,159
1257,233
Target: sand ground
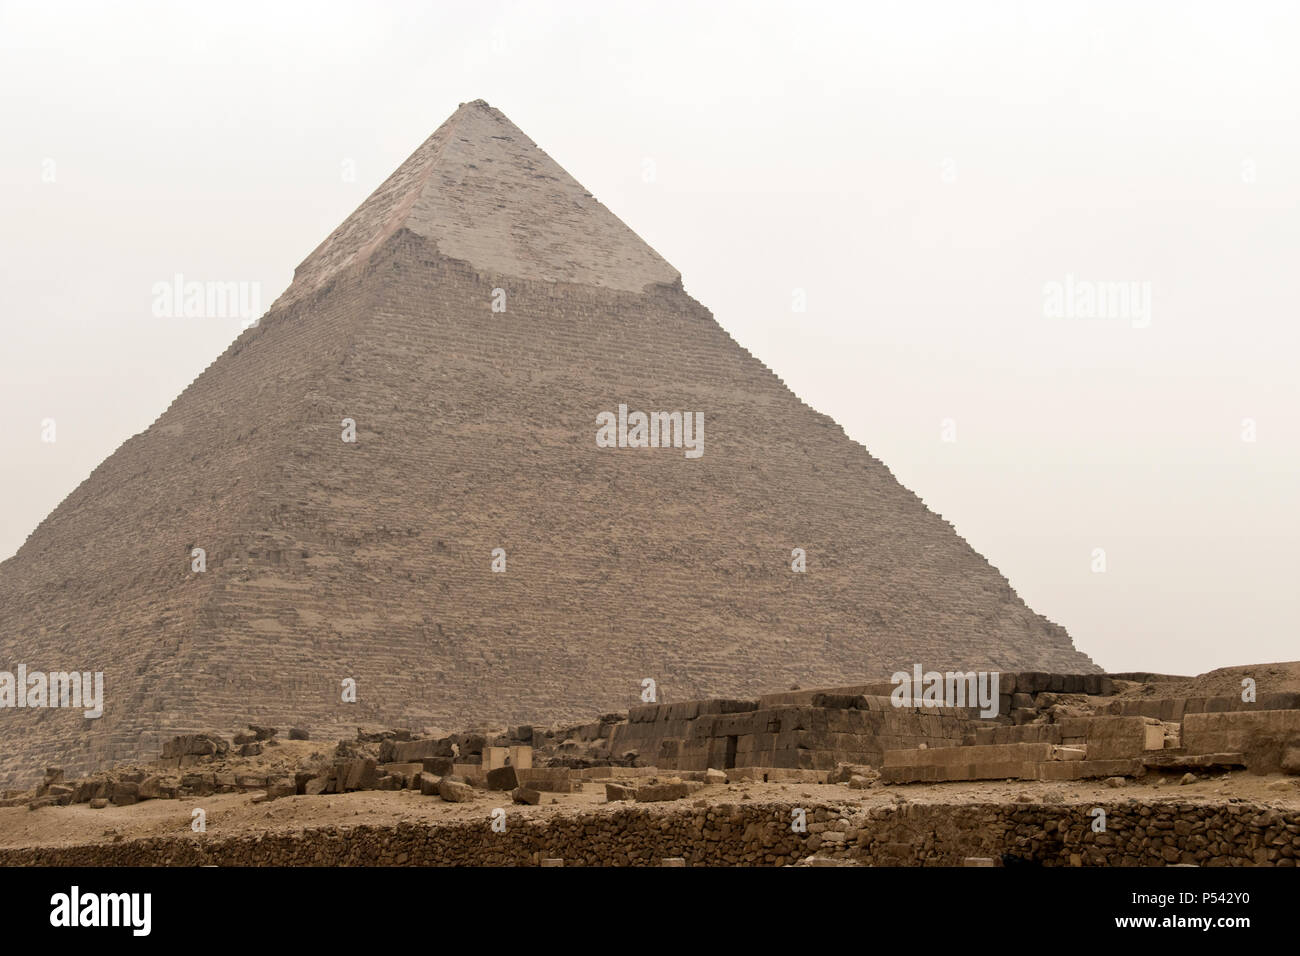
235,814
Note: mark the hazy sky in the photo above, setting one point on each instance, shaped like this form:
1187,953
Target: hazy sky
922,171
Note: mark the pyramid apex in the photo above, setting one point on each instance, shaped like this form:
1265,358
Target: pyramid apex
483,192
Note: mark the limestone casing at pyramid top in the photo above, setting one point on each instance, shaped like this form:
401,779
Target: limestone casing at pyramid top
486,194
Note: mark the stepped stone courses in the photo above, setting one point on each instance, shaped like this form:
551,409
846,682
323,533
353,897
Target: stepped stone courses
476,430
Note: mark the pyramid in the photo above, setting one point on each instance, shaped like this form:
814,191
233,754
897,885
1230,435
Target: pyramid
475,430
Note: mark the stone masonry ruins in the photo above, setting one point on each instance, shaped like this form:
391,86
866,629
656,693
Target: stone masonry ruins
475,429
675,777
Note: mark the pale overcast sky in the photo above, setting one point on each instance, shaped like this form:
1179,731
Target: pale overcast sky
922,171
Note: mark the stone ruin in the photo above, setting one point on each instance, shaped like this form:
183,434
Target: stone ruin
1058,727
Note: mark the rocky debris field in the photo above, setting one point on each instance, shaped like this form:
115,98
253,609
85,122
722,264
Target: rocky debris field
252,814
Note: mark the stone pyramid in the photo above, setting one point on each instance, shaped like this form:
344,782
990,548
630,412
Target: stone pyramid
476,430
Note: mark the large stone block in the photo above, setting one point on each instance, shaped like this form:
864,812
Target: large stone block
359,773
502,778
1261,736
196,745
546,779
660,792
405,770
965,756
440,766
454,792
124,793
1110,737
280,786
414,751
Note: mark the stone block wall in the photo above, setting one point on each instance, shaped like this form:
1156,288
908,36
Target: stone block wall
841,729
1159,834
1263,737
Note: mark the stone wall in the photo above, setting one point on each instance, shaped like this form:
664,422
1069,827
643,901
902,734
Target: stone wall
1136,835
1268,739
1175,708
753,834
836,729
818,728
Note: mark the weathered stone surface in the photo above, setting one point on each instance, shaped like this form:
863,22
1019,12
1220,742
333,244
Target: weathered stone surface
502,778
442,766
197,745
1262,736
360,773
654,793
548,779
280,786
618,791
845,772
526,795
199,784
454,792
90,789
912,834
1291,759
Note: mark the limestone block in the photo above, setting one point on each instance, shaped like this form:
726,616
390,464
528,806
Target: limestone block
502,778
454,792
618,791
